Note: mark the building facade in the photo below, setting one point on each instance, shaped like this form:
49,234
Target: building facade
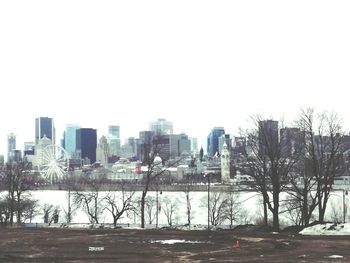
114,140
44,126
70,140
161,126
11,147
213,140
268,137
86,144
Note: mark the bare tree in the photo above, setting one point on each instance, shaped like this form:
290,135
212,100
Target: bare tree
169,209
119,204
87,194
216,207
293,208
30,209
243,217
232,207
154,168
50,213
18,180
268,165
150,206
321,163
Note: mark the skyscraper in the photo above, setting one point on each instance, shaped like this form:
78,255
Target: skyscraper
114,131
268,137
86,144
71,139
114,140
291,140
161,126
44,126
11,146
213,140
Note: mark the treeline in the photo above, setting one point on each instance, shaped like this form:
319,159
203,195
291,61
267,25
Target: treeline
303,160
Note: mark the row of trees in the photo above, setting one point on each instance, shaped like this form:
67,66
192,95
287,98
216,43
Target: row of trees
305,165
126,203
16,179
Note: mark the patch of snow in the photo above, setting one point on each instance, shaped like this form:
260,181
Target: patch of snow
78,225
175,241
327,229
335,256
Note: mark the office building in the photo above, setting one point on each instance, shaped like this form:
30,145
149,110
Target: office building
213,141
161,126
114,140
70,139
291,142
44,126
268,137
11,146
86,144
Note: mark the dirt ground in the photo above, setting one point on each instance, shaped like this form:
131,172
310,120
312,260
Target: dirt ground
128,245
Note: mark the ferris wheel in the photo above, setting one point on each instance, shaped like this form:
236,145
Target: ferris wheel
53,163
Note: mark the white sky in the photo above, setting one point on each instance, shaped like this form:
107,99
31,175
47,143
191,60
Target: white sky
198,64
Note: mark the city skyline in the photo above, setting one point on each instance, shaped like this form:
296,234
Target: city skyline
197,64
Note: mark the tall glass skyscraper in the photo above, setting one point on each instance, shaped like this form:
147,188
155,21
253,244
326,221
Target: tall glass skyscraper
114,139
44,126
71,139
213,140
11,146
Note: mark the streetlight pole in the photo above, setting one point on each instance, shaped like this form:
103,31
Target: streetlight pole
208,201
157,208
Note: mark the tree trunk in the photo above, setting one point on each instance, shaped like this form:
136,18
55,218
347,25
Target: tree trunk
321,213
143,198
12,208
276,222
188,209
19,212
265,211
305,211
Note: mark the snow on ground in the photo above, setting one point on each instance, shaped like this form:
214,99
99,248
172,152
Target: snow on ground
327,229
335,256
174,241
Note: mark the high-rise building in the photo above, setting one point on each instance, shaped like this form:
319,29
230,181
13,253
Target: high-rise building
194,145
145,144
213,140
11,147
86,144
44,126
161,126
225,138
102,151
268,137
28,152
114,131
179,144
17,155
70,140
114,140
291,141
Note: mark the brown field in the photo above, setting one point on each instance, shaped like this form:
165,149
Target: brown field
128,245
